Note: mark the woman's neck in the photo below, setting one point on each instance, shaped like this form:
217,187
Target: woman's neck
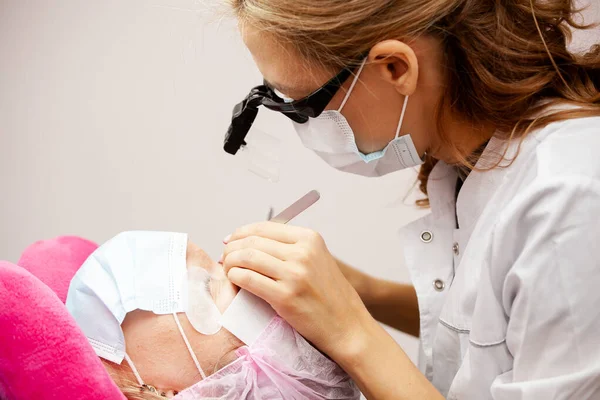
460,137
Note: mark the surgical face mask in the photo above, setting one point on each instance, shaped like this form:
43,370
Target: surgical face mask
331,138
139,271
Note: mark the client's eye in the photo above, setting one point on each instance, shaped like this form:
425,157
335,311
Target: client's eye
222,290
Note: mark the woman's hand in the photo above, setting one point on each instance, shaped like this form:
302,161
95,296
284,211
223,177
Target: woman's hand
292,269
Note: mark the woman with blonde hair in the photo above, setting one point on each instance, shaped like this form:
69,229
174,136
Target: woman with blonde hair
504,122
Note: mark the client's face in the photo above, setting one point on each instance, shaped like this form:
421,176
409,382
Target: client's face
157,348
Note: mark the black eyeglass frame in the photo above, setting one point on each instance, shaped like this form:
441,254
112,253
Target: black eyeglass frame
311,106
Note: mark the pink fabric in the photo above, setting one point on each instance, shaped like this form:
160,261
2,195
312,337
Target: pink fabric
43,353
281,364
55,261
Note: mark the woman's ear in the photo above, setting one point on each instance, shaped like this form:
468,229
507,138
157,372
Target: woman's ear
397,64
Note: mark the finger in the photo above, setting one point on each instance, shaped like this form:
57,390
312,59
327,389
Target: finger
269,230
254,260
272,247
257,284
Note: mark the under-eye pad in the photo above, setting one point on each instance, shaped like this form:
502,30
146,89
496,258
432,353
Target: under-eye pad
202,312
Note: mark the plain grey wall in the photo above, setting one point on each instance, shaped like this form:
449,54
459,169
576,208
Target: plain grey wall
112,115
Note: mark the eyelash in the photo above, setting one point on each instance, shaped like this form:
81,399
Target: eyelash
207,284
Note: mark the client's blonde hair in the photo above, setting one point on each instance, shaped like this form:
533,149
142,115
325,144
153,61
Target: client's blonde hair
124,378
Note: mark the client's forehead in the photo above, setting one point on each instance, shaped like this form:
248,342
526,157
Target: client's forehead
195,256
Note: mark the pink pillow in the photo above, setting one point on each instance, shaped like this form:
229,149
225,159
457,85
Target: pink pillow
43,353
56,261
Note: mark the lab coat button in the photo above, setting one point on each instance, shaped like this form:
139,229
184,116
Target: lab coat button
456,249
439,285
426,237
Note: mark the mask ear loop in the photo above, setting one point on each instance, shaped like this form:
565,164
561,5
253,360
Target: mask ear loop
401,117
143,386
189,347
135,371
362,65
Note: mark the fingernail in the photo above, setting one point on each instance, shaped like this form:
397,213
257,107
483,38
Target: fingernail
227,238
221,259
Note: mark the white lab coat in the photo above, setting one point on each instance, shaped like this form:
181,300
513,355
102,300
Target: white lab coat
510,302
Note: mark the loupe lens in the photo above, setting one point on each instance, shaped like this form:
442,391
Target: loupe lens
262,155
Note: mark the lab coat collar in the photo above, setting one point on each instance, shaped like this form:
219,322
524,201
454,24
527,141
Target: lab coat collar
483,181
477,189
440,189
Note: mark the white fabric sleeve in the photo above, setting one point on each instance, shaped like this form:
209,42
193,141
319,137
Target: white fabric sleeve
547,263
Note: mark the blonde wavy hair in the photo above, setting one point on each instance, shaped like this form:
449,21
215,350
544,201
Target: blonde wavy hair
505,61
125,380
